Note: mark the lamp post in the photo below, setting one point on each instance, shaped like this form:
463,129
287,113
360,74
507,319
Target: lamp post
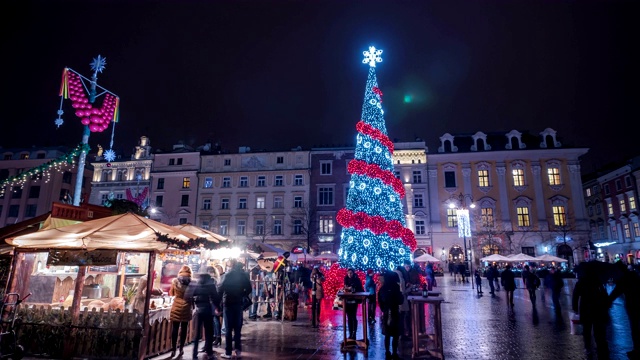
462,203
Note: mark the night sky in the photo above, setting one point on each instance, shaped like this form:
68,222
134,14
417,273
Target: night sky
277,74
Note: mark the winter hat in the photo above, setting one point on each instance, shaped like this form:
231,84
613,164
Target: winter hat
185,271
370,271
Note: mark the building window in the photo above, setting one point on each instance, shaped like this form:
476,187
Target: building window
224,204
277,202
483,178
159,199
588,192
452,218
227,162
623,205
182,221
590,210
627,181
186,182
606,189
418,201
325,224
280,160
627,230
523,217
242,203
325,168
262,181
260,202
259,227
632,203
325,195
601,229
298,180
66,177
614,232
297,227
241,227
297,201
396,173
554,176
559,216
30,210
449,179
486,216
610,209
417,176
17,193
277,227
24,156
224,227
636,229
598,209
184,201
208,182
279,180
618,185
121,175
420,227
528,250
172,161
244,181
160,184
34,192
205,225
226,182
518,177
206,204
13,211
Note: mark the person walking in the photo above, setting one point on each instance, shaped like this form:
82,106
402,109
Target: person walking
370,287
531,282
629,286
556,283
235,285
490,274
180,313
430,275
390,299
508,281
353,284
205,298
405,324
317,294
217,275
591,301
478,279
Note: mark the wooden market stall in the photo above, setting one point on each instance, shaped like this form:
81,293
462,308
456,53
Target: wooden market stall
83,278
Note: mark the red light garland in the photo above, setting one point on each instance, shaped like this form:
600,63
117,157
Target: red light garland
377,225
367,129
361,167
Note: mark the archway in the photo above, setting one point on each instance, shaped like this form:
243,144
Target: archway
564,251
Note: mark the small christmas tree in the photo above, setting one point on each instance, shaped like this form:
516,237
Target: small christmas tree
374,234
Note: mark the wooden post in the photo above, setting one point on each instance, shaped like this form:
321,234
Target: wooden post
146,328
75,313
10,286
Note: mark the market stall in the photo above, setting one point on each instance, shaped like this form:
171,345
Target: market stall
85,277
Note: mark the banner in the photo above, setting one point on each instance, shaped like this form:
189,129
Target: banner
82,257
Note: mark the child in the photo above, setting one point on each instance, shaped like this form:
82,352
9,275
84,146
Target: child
478,281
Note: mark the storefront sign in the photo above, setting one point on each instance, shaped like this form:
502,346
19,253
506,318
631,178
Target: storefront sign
82,257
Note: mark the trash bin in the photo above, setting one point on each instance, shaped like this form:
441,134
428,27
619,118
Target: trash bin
290,310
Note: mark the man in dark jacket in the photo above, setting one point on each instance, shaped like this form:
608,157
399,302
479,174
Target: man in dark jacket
590,300
490,276
556,282
629,286
205,297
234,286
353,284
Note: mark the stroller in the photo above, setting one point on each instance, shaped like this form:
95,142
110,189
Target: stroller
9,348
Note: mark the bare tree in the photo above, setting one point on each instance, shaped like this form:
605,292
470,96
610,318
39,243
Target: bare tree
304,222
262,234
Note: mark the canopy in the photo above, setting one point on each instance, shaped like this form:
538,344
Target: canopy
550,258
326,257
203,233
267,251
120,232
426,258
495,258
521,258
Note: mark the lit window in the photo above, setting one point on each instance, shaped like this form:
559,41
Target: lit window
418,201
417,177
208,183
298,180
242,203
226,182
559,216
610,208
260,202
262,181
420,227
623,205
186,182
486,215
627,230
518,177
279,180
554,176
588,190
241,227
483,178
636,229
523,217
632,203
325,195
297,202
224,204
244,181
452,218
325,224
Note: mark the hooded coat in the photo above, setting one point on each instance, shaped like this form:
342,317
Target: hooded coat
181,309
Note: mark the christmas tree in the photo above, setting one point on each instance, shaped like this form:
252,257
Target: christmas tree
374,233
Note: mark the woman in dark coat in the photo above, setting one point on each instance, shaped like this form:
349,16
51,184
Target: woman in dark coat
390,298
352,283
508,280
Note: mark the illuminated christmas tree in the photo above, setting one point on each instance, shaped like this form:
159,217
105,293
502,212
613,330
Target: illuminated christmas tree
374,233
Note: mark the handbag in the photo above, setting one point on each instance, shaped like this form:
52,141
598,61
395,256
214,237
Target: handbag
246,302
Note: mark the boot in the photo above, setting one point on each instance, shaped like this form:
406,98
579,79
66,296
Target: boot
218,341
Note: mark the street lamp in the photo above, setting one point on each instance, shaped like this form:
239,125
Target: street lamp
462,203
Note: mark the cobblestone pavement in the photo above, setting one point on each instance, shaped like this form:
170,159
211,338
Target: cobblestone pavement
473,328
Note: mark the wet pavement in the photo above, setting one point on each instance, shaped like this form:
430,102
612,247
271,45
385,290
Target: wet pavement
473,328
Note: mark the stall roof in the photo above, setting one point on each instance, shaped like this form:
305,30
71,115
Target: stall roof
203,233
121,232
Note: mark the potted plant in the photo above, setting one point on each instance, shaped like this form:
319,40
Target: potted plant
129,294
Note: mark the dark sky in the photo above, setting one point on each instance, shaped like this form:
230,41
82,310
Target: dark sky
277,74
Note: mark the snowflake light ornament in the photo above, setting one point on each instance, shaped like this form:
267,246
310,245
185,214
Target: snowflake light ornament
110,155
59,120
372,56
98,64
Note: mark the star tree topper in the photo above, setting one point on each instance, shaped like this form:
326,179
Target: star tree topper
372,56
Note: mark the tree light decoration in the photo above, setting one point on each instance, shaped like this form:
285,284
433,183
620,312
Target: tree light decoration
372,221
